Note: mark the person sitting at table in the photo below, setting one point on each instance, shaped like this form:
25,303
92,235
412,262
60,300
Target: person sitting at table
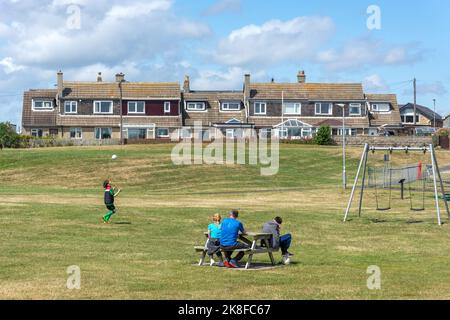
278,242
231,227
214,233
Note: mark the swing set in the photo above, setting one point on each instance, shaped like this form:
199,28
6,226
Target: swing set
384,179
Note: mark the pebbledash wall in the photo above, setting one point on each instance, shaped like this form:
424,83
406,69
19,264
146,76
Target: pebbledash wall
392,141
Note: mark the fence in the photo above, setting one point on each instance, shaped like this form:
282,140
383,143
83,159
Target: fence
391,141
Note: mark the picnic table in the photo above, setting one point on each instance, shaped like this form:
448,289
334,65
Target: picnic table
250,238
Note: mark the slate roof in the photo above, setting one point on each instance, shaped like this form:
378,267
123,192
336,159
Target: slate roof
425,111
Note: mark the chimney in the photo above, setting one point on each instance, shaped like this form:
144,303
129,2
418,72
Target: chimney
247,86
60,82
301,77
99,77
120,77
186,84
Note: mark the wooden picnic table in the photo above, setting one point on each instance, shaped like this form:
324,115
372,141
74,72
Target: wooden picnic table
251,239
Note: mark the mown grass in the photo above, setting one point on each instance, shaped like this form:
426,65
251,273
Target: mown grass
51,204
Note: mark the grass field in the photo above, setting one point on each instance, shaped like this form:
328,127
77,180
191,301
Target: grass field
51,205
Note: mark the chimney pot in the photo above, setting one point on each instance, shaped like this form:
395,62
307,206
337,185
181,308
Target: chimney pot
186,84
120,77
99,77
301,77
60,82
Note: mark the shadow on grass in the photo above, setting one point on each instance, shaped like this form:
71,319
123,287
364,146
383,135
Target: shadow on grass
122,222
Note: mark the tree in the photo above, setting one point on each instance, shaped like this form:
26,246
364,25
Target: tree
8,137
323,136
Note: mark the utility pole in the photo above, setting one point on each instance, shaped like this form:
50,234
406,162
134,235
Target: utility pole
434,115
415,103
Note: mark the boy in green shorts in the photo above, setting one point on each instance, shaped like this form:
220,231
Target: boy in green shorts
110,194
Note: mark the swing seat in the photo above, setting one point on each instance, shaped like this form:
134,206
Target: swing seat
417,209
383,209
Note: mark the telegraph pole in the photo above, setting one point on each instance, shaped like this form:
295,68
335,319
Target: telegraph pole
415,103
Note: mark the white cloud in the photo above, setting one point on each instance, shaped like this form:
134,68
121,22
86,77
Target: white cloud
9,66
436,88
138,9
275,41
366,52
375,83
221,6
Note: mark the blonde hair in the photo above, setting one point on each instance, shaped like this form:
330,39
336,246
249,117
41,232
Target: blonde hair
217,217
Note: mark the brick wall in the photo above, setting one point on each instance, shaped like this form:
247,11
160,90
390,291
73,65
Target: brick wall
386,141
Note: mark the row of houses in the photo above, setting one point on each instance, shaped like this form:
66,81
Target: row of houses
99,109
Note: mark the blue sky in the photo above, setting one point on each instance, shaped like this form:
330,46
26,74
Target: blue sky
217,41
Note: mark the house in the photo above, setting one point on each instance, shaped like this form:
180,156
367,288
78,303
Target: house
220,113
425,117
297,110
93,110
384,115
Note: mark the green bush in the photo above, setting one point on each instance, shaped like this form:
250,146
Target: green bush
8,137
323,136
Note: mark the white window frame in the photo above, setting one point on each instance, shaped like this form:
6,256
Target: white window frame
195,104
225,106
295,105
77,130
71,104
36,130
42,109
100,102
167,107
182,130
317,104
100,128
136,107
375,107
355,105
162,136
261,104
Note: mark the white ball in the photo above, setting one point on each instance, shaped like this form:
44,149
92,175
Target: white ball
286,260
114,157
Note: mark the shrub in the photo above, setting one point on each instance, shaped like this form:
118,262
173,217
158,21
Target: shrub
323,136
8,137
443,132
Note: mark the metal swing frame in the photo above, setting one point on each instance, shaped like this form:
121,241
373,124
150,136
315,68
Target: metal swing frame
362,170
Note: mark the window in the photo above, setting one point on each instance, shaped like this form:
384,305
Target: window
53,132
231,106
260,108
292,108
185,133
196,106
70,107
265,133
324,109
103,107
136,107
381,107
167,107
42,105
162,132
37,133
355,109
137,133
348,132
76,133
410,119
103,133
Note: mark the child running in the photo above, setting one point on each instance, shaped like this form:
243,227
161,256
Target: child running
110,194
214,234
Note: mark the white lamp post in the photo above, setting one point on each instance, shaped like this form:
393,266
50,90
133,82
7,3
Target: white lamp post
344,170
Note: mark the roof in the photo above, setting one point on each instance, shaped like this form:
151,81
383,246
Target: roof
307,91
130,90
425,111
385,119
214,95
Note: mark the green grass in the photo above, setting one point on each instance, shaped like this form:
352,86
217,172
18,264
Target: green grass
51,204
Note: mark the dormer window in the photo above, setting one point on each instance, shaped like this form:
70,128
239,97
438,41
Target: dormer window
381,107
230,106
42,105
355,109
70,107
292,108
196,106
324,109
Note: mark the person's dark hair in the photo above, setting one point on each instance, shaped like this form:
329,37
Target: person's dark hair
278,220
105,183
235,213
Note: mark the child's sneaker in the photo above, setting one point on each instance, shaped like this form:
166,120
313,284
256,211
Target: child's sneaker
220,264
233,264
212,263
226,264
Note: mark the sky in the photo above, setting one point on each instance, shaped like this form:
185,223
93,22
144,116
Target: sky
382,44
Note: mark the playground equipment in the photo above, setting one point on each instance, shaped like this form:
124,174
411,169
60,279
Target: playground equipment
384,179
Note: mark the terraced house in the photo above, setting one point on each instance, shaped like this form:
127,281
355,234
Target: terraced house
98,110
